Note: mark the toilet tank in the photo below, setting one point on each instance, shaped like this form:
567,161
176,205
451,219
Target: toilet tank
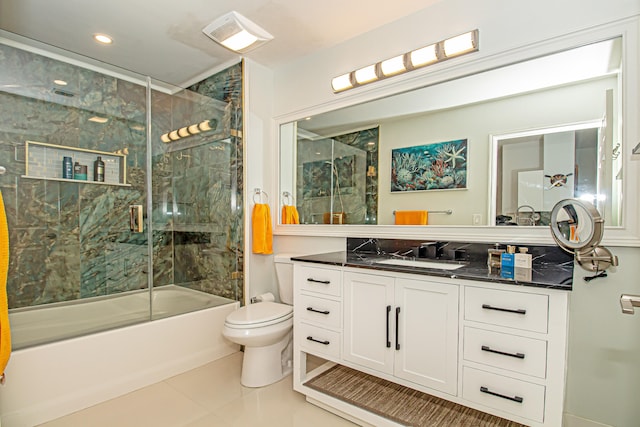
284,276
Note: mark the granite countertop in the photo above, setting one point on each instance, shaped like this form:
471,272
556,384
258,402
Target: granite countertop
544,275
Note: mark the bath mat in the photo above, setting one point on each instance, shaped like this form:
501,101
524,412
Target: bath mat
398,403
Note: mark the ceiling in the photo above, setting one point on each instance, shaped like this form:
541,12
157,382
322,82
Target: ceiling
163,38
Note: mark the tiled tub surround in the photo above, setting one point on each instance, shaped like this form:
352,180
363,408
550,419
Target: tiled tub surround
467,335
71,240
552,267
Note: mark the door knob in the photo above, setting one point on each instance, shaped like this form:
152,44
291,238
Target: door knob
628,302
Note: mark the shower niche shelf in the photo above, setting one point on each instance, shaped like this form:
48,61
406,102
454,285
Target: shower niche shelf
44,161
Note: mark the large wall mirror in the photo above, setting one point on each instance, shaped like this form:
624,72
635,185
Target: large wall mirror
496,148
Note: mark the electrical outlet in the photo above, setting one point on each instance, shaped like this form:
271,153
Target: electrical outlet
476,219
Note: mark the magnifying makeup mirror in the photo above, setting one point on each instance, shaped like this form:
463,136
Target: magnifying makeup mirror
578,228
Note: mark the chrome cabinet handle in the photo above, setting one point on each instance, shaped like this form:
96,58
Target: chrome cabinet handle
508,310
490,350
493,393
318,311
310,338
324,282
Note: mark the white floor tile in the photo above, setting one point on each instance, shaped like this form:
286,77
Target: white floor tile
208,396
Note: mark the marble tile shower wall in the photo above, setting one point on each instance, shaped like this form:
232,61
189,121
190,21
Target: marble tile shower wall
197,188
72,240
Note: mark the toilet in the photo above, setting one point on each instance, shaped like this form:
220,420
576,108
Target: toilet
265,329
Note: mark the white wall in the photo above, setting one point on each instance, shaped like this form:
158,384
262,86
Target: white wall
259,275
604,388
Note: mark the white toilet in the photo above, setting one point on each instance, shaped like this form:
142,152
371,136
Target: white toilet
265,329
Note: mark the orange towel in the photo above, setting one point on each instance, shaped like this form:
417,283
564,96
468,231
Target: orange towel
5,331
262,232
412,217
290,215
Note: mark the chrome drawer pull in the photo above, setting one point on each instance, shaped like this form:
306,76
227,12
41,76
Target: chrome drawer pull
318,311
310,338
514,398
508,310
324,282
490,350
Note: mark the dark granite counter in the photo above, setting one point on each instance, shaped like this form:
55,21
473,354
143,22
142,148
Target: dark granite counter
552,268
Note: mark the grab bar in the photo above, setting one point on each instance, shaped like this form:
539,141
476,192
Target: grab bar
628,302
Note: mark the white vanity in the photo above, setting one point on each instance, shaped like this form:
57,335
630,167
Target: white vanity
495,347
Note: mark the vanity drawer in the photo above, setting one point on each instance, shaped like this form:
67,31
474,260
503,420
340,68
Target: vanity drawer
506,394
321,280
519,310
317,340
514,353
320,311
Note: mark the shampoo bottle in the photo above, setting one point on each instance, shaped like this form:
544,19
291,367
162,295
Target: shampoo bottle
98,170
67,168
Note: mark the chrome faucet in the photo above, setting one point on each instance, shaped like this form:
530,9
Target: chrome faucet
628,302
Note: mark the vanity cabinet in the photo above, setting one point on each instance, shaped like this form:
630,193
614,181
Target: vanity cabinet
403,327
513,350
497,348
317,303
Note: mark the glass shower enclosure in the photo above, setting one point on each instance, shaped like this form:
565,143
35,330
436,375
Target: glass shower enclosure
123,194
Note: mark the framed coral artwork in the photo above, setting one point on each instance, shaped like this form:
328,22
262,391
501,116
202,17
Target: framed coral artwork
438,166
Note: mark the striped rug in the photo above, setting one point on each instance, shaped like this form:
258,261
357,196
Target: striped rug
398,403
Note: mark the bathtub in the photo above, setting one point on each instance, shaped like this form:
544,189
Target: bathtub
48,381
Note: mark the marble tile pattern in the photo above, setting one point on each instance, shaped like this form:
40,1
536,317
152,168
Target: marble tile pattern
72,240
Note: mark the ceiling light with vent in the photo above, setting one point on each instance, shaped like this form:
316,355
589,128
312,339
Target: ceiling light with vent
236,32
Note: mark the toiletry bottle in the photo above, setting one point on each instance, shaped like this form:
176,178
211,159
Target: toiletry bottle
80,172
507,259
98,170
523,259
67,168
494,257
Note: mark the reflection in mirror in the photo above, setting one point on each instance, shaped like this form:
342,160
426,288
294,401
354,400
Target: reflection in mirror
337,178
536,97
537,169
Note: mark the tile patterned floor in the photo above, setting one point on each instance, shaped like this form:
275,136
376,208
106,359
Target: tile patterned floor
208,396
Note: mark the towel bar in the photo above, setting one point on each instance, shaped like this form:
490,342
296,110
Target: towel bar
447,212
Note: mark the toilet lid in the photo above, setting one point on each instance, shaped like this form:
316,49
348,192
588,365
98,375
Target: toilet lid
261,312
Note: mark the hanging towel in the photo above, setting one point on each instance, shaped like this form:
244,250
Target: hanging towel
290,215
411,217
262,233
5,330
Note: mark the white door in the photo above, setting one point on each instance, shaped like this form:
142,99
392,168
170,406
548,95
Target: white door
368,321
427,333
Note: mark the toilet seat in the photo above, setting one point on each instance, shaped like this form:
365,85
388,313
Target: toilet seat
259,315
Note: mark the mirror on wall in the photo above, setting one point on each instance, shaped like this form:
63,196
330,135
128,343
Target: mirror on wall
490,111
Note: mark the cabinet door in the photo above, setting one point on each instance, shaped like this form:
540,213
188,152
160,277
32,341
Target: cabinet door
428,334
368,321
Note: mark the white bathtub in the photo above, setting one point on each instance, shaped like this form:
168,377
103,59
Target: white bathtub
53,322
51,380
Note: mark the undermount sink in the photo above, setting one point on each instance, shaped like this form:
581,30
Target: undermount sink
421,264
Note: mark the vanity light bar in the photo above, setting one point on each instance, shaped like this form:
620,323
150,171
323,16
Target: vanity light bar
186,131
437,52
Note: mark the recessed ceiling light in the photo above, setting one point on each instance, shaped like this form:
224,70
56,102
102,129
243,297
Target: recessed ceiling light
60,82
103,38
